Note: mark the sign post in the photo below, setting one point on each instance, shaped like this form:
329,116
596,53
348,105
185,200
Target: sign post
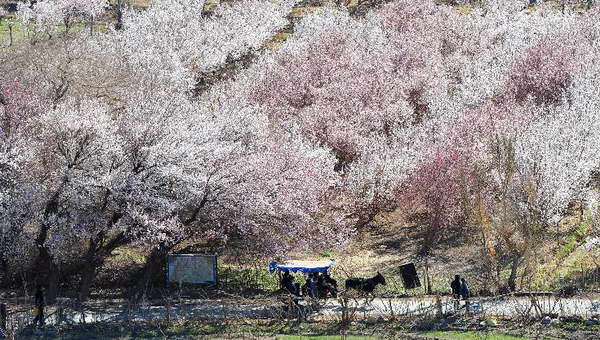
410,278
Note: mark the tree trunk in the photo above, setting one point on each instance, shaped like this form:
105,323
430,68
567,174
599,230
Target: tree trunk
91,25
119,24
97,252
149,272
87,278
366,218
44,267
67,23
49,275
10,35
4,266
53,280
3,316
89,268
512,280
428,288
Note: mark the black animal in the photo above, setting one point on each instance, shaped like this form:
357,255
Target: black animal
365,285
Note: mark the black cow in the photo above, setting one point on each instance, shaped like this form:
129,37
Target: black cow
365,285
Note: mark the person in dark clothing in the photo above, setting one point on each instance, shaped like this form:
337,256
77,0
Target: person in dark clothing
328,279
306,286
455,286
310,288
464,289
288,282
314,286
319,278
327,284
464,293
39,304
331,283
286,277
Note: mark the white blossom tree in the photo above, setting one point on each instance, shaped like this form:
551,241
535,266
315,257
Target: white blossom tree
171,43
47,15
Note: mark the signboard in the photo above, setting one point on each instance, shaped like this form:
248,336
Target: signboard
191,268
409,276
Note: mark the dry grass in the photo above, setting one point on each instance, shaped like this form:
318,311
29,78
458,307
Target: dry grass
134,3
353,3
300,12
464,9
209,5
277,41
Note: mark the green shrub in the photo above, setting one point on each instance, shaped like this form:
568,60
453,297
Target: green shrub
576,236
237,277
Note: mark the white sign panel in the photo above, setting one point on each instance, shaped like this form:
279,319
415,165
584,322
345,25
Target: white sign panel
191,268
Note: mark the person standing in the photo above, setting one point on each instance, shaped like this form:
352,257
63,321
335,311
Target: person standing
330,283
313,286
329,279
464,292
39,304
288,282
464,289
455,286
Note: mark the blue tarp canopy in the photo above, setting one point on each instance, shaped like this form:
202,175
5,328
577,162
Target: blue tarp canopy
302,266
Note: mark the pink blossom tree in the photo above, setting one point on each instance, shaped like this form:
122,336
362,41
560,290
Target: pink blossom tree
361,89
548,69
